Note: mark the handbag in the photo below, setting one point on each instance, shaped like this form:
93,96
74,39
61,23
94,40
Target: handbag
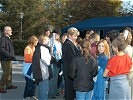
27,70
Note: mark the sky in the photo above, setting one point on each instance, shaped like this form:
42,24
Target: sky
128,1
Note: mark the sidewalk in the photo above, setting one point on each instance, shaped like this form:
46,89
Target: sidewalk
19,81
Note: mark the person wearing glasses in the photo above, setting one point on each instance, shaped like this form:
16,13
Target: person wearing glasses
103,54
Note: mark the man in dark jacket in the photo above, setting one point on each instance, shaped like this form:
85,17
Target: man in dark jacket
69,51
6,56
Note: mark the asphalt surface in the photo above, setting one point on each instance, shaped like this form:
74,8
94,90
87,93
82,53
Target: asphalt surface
19,81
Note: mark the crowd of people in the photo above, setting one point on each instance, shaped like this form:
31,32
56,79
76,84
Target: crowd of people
89,68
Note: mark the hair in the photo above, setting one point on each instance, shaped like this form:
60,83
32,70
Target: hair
78,40
107,50
63,37
94,35
57,31
59,39
127,28
72,31
42,38
88,33
85,49
64,34
129,36
47,29
6,27
132,39
119,42
112,34
32,40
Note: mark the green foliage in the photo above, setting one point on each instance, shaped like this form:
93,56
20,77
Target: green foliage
19,47
80,10
33,20
39,14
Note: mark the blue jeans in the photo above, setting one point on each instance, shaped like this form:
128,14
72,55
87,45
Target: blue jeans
53,81
30,88
83,95
43,89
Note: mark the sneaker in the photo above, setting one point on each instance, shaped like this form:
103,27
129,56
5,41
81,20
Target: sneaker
27,98
2,90
34,98
11,87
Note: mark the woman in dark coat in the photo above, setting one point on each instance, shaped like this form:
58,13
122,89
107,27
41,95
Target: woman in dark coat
83,69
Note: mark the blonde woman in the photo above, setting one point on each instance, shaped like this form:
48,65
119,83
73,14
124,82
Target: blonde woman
30,86
40,63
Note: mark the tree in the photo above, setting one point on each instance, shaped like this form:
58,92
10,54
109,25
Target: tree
80,10
39,14
34,20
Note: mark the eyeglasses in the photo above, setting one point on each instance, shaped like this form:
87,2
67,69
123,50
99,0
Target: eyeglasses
101,46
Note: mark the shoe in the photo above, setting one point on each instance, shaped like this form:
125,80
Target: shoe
27,98
34,98
2,90
54,97
11,87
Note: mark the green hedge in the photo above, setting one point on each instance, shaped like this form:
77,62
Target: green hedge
19,47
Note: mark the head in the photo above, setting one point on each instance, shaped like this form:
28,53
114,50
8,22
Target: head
47,32
88,33
33,40
128,35
103,47
57,36
79,39
112,35
118,44
85,48
43,39
94,38
63,37
73,33
7,30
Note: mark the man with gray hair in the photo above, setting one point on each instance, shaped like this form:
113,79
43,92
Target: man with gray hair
6,56
69,51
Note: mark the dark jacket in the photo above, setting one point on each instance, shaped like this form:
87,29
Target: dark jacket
6,49
83,73
69,51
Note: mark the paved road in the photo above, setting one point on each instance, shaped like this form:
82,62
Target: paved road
18,80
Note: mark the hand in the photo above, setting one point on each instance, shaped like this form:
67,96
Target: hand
37,81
